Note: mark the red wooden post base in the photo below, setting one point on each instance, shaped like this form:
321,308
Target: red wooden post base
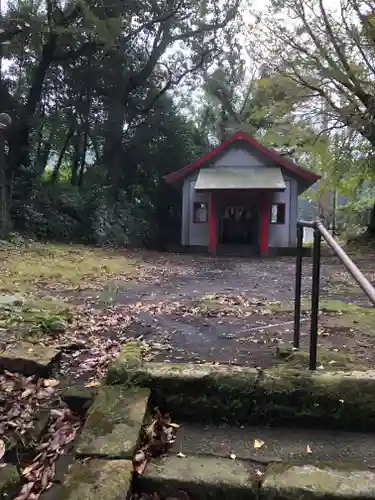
264,224
212,224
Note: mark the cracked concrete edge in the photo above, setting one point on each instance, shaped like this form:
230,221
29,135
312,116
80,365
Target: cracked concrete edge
212,477
342,480
340,398
129,359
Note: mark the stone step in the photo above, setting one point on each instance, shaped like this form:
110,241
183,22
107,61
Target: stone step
278,444
221,462
29,358
207,392
113,424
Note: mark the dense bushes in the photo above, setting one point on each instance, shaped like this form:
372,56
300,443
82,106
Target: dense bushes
61,212
130,205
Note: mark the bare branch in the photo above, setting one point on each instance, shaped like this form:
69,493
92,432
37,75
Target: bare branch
336,126
208,28
172,82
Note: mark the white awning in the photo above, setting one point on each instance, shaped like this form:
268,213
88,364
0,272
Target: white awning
240,178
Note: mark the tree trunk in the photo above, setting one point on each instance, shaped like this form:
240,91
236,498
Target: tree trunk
43,155
371,226
83,158
112,151
56,168
75,160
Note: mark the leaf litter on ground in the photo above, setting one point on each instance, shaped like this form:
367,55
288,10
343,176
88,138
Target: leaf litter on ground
62,430
157,439
182,495
21,401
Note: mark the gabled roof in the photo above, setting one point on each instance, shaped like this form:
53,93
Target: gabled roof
311,177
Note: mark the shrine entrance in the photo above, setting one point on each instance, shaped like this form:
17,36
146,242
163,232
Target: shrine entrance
239,225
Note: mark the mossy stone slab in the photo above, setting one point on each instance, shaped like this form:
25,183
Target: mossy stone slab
9,301
343,399
339,399
29,359
201,477
114,422
198,392
312,482
9,481
97,479
130,357
78,398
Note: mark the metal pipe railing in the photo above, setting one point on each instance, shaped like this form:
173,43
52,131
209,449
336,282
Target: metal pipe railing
319,232
297,301
362,281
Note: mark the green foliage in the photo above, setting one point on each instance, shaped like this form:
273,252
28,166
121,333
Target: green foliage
140,210
94,130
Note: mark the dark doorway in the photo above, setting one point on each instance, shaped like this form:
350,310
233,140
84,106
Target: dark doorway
239,225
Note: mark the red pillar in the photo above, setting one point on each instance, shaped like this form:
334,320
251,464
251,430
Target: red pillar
212,237
264,224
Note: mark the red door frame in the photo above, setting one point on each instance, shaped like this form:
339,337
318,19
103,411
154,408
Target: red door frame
264,224
212,224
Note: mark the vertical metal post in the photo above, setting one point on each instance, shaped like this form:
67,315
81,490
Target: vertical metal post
5,121
315,300
297,297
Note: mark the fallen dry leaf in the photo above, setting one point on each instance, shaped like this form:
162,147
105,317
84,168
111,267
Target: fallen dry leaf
93,384
258,443
173,425
2,449
27,392
50,382
25,491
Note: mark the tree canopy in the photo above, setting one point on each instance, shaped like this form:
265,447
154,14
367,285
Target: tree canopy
105,98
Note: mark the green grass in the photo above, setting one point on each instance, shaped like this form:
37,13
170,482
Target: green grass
38,272
36,318
53,266
327,360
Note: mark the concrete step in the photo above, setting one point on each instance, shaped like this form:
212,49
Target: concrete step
207,392
114,423
221,462
281,444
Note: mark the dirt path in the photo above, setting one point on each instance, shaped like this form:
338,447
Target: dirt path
173,307
247,340
172,282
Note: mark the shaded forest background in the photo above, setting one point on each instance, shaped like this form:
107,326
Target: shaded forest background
107,97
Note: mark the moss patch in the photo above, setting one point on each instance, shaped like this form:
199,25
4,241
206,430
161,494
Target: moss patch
130,357
114,422
347,318
202,478
50,266
35,318
339,399
197,391
311,482
327,360
336,314
101,479
344,399
9,481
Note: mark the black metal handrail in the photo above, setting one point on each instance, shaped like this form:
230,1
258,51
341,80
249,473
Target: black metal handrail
319,232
